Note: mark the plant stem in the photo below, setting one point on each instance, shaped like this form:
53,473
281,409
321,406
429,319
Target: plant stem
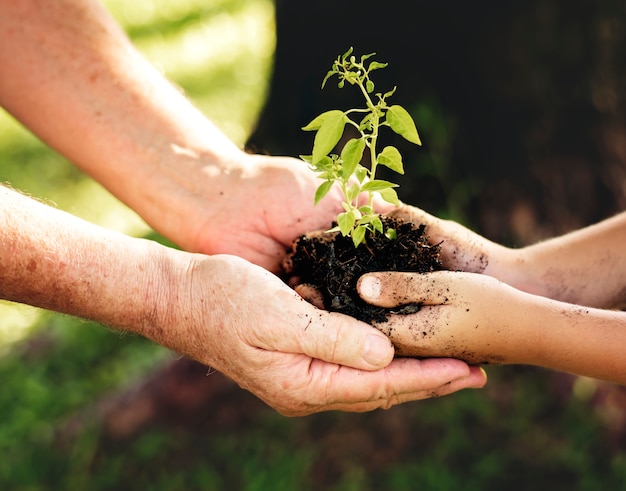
373,136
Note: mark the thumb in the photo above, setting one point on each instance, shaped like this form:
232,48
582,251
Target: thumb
391,289
340,339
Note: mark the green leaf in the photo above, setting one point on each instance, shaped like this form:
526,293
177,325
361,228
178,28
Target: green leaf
367,56
366,210
351,77
390,196
391,234
377,185
369,86
327,175
375,65
325,165
351,155
345,222
390,157
366,123
390,93
322,190
368,220
353,192
358,235
307,158
328,134
361,173
402,123
377,224
328,75
317,122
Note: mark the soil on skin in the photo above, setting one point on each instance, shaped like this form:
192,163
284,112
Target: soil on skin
331,263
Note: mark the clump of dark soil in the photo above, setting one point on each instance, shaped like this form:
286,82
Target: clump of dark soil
330,263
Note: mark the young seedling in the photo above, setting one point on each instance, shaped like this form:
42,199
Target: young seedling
346,168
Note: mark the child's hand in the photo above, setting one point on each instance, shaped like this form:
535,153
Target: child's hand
461,249
464,315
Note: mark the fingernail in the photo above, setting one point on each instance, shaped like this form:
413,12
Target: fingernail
370,286
485,379
479,383
377,350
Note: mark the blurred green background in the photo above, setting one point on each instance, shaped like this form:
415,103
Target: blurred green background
86,408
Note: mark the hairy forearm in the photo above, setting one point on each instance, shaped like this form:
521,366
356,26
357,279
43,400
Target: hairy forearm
78,83
53,260
585,267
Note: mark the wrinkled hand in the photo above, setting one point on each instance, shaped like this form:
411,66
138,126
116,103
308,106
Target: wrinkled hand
259,208
296,358
464,315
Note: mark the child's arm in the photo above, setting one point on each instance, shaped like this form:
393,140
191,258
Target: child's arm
481,320
585,267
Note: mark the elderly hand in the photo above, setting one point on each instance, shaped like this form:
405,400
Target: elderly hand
256,209
295,357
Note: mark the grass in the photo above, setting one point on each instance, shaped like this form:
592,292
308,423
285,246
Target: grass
515,434
528,428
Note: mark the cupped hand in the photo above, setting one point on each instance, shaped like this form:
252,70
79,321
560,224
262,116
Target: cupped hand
246,323
468,316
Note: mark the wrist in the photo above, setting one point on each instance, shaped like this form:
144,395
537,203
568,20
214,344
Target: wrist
517,268
166,305
184,306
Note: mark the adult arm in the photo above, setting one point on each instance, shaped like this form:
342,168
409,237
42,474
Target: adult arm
72,77
482,320
220,310
585,267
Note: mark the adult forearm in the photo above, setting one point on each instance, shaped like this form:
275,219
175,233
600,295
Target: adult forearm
53,260
78,83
